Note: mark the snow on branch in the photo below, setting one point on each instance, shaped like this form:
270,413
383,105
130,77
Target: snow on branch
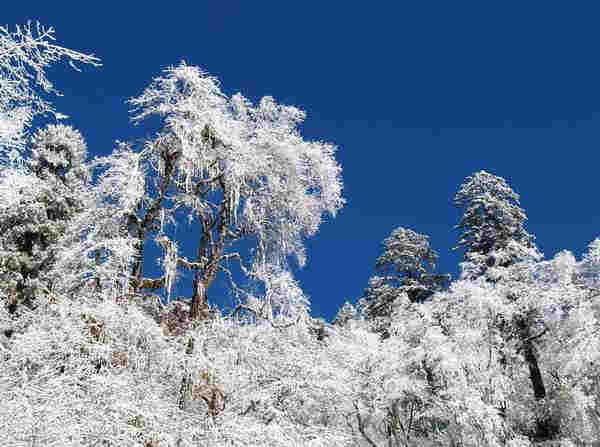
25,54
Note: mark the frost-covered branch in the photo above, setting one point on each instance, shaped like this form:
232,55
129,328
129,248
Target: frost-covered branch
25,54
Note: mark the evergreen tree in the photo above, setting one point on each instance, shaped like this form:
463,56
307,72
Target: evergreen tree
493,226
587,274
406,266
39,201
346,313
37,195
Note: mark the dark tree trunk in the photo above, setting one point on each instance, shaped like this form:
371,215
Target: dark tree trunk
137,270
545,427
539,390
537,382
97,280
141,226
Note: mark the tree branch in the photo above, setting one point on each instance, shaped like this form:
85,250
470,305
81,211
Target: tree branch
151,283
191,265
361,427
533,337
240,307
206,182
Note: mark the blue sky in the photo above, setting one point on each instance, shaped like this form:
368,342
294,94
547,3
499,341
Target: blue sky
417,95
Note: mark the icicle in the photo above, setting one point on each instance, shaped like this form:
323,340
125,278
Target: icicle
235,199
170,265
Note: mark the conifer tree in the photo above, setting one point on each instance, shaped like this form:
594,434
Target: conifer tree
37,194
406,266
499,249
346,313
493,226
39,201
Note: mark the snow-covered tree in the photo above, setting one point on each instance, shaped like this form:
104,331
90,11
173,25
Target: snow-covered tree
242,171
505,356
34,204
346,313
504,363
25,54
283,302
39,200
406,266
549,307
98,250
493,226
588,269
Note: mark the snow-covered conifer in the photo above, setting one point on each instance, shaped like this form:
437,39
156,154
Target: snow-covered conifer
493,226
588,270
59,151
34,206
406,266
346,313
39,202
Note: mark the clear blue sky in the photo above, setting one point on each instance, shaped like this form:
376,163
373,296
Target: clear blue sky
417,96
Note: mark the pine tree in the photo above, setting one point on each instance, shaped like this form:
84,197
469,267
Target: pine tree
40,200
406,266
493,226
346,313
499,249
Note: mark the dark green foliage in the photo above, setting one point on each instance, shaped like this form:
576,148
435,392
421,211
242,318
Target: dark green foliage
39,201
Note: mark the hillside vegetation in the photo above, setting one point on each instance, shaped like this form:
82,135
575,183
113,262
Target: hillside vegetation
90,355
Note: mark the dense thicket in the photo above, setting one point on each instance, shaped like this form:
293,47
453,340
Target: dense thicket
506,355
